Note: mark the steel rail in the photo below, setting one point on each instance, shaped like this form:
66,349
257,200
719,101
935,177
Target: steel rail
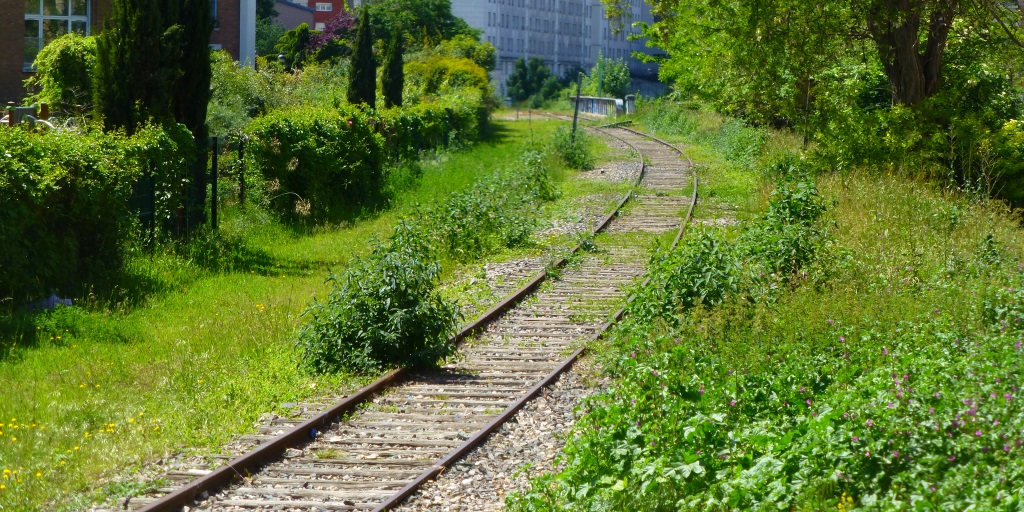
250,462
482,434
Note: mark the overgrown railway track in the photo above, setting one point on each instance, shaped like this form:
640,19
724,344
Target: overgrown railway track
373,449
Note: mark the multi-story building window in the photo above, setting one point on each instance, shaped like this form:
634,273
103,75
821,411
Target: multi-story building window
324,6
46,20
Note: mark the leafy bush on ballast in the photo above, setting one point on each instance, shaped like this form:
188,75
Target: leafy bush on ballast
383,311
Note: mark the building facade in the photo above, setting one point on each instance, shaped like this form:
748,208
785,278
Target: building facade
291,14
26,26
566,34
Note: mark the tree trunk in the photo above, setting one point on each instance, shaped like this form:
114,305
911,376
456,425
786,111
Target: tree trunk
895,27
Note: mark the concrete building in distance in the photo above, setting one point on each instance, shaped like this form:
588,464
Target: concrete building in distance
26,26
566,34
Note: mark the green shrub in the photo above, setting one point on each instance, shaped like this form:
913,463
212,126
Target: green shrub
64,70
574,150
382,312
318,162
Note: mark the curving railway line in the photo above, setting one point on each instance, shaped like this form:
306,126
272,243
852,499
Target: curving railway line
373,449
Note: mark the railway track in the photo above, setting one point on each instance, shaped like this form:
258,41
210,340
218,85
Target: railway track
373,449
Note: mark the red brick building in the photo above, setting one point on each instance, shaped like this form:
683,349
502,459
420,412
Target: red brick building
28,25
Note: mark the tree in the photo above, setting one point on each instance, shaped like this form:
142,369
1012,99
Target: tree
527,78
362,78
609,77
331,42
268,33
190,98
137,57
294,45
461,45
392,76
153,64
424,23
793,40
265,10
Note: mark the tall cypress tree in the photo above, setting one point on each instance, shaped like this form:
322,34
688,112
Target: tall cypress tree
137,57
362,77
153,64
190,98
392,76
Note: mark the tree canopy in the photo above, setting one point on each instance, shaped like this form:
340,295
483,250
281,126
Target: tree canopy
423,23
789,45
362,78
608,78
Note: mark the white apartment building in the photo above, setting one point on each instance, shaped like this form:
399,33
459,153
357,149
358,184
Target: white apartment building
565,33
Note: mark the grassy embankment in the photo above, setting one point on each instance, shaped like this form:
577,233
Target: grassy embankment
196,343
882,371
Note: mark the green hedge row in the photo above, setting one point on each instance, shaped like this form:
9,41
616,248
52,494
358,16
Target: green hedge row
64,203
322,162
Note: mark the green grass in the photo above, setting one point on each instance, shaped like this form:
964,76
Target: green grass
195,342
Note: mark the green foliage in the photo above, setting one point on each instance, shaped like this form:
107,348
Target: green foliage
574,150
608,78
393,75
153,63
265,10
452,120
64,73
318,162
851,76
67,219
362,78
384,311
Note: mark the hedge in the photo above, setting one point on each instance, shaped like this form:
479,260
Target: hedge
64,203
318,161
324,162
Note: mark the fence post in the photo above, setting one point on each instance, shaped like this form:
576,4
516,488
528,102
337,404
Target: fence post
151,241
241,171
213,187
